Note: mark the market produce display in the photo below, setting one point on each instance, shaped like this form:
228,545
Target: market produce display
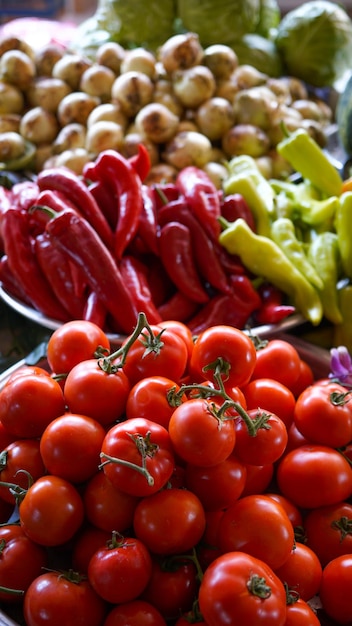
141,458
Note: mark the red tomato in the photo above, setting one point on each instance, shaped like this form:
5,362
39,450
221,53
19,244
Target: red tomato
29,403
269,442
21,561
86,543
180,329
217,486
305,378
295,438
336,589
313,475
73,342
134,613
120,571
149,398
27,370
323,414
21,462
171,521
5,437
299,613
226,348
106,506
147,448
279,360
70,447
162,353
232,592
198,435
260,527
56,599
258,478
207,549
272,397
172,587
302,571
52,511
293,512
328,531
92,391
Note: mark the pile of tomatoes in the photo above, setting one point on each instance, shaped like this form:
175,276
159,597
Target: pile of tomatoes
174,480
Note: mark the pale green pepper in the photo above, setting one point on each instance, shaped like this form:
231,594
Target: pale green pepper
342,332
343,227
264,258
324,254
302,202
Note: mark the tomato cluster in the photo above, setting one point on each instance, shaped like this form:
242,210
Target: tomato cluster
174,480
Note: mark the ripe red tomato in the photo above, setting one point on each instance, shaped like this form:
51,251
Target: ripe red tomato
280,360
21,561
336,589
20,462
226,348
258,478
198,435
134,613
162,353
171,521
147,448
293,512
149,399
92,391
313,475
120,571
180,329
302,571
305,378
323,414
259,526
272,397
238,588
70,447
106,506
55,598
328,531
269,442
73,342
88,540
52,511
299,613
29,403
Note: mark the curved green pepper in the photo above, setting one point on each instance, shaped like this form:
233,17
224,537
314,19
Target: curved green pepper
342,333
263,257
283,233
343,227
324,255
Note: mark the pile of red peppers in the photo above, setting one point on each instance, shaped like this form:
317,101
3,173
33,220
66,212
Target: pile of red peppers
105,245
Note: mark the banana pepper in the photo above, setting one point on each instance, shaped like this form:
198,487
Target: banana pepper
343,228
306,156
323,253
342,332
264,258
302,202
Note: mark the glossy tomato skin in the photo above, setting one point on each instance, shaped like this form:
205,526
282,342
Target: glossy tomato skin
269,442
279,360
29,403
271,396
259,526
70,447
149,399
170,359
88,540
121,442
120,571
73,342
231,345
171,521
197,436
294,513
336,589
91,391
182,330
313,475
53,599
258,478
226,594
21,562
302,571
20,457
323,414
106,506
299,613
52,511
327,531
134,613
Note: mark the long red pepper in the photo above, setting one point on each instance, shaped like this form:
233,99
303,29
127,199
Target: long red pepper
105,200
178,307
9,282
25,267
206,257
94,311
68,183
202,196
175,244
114,169
82,244
141,162
134,274
147,224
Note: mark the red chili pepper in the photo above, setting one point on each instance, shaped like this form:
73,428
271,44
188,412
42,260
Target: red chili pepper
147,225
230,310
9,282
51,199
178,307
106,201
94,311
160,283
235,206
56,266
205,253
134,274
25,267
24,194
82,244
273,309
115,170
141,162
176,252
242,286
68,183
202,196
164,193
